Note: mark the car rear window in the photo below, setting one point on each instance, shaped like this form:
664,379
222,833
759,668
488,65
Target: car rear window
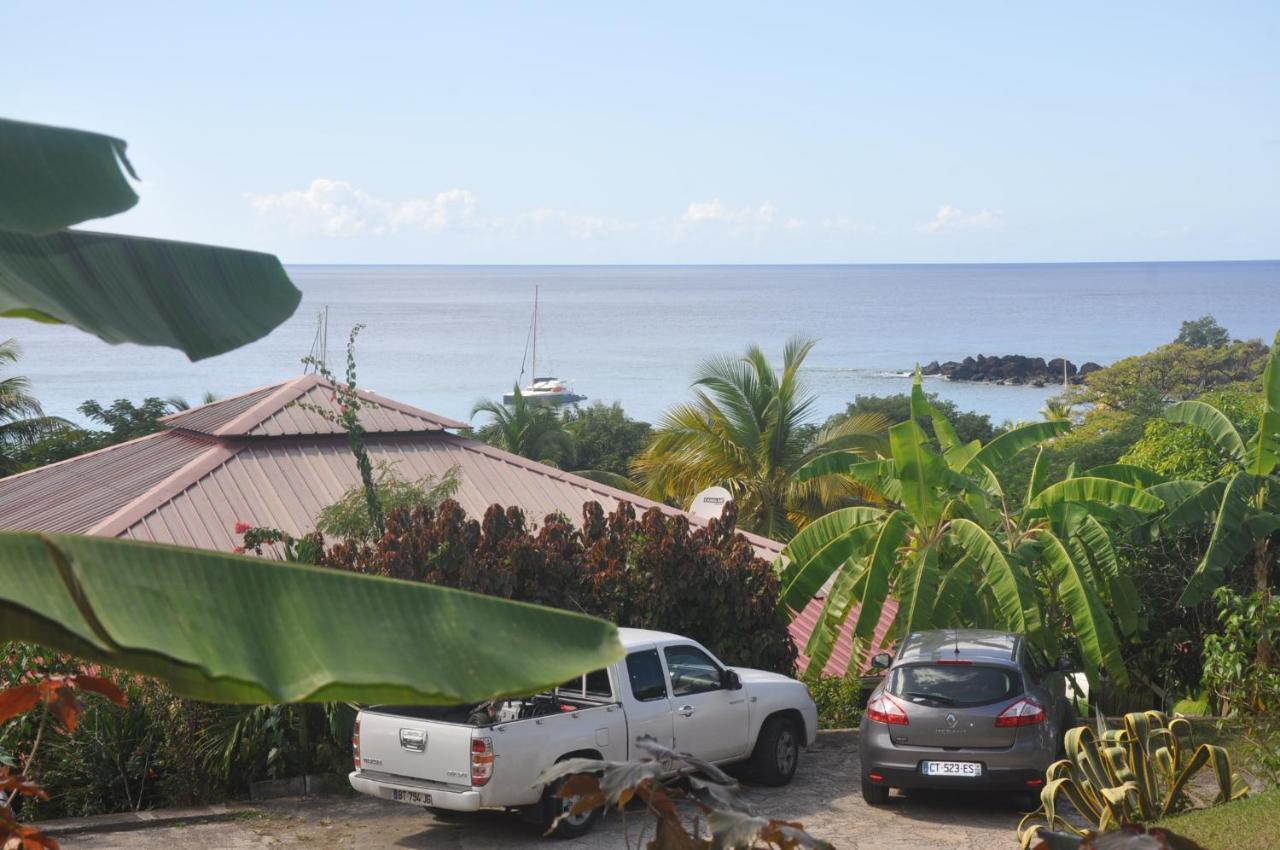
956,685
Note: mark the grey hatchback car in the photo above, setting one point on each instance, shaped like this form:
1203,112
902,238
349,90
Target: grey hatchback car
963,708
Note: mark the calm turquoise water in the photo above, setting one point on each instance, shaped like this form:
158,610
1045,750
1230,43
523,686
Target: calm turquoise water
442,337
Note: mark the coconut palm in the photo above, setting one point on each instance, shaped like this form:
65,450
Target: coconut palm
528,429
22,421
1057,409
749,429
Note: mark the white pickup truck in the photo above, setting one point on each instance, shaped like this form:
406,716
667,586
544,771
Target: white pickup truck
489,756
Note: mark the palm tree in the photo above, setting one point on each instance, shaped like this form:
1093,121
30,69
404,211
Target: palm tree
749,429
1057,409
528,429
22,421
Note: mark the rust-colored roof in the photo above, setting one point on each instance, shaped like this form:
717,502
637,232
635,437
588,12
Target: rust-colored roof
292,407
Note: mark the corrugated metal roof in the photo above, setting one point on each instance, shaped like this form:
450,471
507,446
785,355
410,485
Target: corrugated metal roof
259,459
292,407
842,655
73,495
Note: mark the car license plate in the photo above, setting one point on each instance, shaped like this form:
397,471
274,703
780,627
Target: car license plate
419,797
966,769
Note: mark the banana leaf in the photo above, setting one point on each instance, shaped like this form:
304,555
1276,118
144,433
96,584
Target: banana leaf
844,594
879,574
1136,476
231,628
1017,604
919,470
1017,440
917,590
1099,644
828,463
199,299
1106,491
821,548
1212,421
54,177
1228,543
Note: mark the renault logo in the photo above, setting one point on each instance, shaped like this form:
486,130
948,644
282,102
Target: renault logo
951,720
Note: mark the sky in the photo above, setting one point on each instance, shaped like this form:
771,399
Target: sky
676,132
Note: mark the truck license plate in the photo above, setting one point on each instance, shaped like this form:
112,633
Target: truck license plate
967,769
419,797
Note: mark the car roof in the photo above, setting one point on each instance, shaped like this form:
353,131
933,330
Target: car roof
632,638
966,644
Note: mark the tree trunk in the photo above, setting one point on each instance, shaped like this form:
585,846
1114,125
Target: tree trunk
1262,583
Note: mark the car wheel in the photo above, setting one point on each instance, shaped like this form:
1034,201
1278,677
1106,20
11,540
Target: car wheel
875,795
777,752
569,826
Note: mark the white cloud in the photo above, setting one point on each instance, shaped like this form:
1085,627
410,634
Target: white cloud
951,219
699,212
336,208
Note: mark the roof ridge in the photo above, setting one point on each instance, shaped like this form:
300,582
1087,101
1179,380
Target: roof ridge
257,414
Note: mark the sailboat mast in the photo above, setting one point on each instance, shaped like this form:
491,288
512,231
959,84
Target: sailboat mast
535,333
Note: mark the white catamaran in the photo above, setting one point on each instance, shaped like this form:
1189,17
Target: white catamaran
542,390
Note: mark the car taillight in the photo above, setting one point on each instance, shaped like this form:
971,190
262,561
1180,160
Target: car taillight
481,760
355,746
1024,712
886,709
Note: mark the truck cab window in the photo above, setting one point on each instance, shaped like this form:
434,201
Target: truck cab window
644,669
598,684
692,671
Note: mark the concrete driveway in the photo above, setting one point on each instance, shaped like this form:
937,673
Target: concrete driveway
825,797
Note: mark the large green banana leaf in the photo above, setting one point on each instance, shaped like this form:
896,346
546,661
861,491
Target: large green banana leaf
1137,476
1265,446
916,590
54,177
1020,610
1019,439
1228,543
919,470
1213,421
1099,645
820,549
1106,491
197,298
231,628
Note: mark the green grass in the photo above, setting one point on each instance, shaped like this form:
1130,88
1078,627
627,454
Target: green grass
1247,824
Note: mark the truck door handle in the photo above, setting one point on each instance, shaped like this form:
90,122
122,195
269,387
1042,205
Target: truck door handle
686,710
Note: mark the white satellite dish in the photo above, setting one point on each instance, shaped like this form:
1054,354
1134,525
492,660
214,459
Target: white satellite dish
709,504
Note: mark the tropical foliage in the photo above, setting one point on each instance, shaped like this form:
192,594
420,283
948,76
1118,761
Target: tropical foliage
22,420
349,518
604,437
951,550
745,430
618,566
969,425
1139,773
528,429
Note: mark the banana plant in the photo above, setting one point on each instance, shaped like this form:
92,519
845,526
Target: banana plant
1138,773
952,552
1243,507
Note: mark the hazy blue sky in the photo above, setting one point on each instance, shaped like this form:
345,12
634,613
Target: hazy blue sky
690,132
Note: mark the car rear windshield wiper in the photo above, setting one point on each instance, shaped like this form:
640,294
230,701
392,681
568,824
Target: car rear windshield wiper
931,697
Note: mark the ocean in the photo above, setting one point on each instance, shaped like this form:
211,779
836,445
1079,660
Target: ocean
444,337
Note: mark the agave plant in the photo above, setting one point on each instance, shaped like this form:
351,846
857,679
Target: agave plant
1139,773
952,552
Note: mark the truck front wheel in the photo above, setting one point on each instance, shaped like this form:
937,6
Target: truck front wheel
777,752
569,826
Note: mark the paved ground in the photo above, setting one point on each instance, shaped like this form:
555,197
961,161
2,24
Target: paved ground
825,796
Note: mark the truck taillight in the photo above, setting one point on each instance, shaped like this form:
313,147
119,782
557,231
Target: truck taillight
886,709
355,746
481,760
1024,712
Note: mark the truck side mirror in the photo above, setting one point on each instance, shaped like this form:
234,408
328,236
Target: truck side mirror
730,681
881,661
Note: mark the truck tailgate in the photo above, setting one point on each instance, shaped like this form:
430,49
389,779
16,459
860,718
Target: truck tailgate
419,749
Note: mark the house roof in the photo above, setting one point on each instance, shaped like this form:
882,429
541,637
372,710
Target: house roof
267,457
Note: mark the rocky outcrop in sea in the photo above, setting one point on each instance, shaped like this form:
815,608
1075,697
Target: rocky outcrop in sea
1013,369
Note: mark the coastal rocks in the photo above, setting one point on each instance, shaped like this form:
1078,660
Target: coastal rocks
1013,369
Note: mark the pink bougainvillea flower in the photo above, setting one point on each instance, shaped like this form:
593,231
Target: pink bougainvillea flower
242,527
239,550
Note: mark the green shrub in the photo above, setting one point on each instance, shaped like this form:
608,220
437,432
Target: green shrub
1231,672
839,700
348,518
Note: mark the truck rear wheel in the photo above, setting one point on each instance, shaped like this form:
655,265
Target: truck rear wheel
777,752
570,826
